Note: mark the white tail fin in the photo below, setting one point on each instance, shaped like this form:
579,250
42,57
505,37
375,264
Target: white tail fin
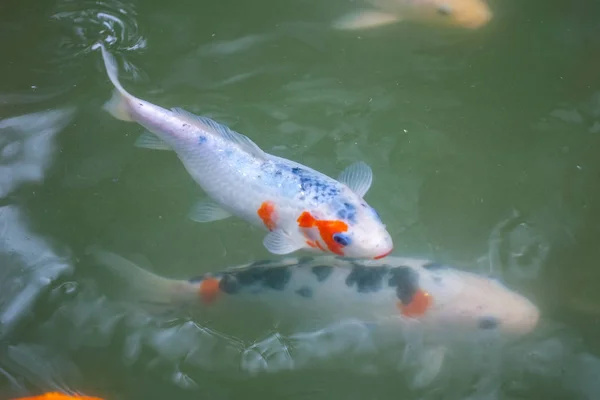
118,105
145,286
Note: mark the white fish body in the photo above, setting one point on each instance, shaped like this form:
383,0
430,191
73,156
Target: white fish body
396,297
314,291
470,14
271,192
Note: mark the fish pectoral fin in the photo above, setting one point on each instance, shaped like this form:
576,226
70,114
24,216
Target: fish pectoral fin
358,177
221,130
148,140
208,211
430,364
278,242
364,19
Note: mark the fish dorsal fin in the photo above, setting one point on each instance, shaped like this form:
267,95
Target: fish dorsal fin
358,177
242,140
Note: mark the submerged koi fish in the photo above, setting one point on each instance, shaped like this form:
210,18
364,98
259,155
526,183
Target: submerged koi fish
302,208
315,291
58,396
469,14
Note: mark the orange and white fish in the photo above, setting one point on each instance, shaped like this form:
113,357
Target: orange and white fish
312,292
302,208
58,396
470,14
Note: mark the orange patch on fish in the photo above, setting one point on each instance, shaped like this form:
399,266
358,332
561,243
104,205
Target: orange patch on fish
209,290
326,230
267,214
58,396
419,305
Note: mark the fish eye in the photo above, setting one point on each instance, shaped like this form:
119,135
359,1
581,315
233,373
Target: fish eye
342,239
444,10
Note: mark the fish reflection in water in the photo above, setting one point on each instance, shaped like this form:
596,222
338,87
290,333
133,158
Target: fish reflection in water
27,146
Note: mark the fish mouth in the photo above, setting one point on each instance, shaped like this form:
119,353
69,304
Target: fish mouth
383,255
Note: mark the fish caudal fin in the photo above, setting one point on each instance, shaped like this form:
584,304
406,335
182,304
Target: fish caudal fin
118,105
365,19
144,286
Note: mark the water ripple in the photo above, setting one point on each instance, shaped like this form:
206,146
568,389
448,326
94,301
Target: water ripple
87,22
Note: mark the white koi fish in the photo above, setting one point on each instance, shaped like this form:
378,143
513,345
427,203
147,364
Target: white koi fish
312,292
302,208
470,14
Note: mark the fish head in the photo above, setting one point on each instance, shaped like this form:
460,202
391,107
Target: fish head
469,303
366,236
471,14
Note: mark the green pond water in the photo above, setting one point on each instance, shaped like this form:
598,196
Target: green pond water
484,147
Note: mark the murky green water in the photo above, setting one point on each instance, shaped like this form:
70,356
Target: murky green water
484,147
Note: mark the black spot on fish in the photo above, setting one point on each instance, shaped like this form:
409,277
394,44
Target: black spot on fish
433,266
277,278
201,139
271,277
406,281
229,284
488,323
367,279
322,272
305,292
348,212
312,186
249,276
305,260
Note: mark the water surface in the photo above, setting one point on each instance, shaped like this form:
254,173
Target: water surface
484,148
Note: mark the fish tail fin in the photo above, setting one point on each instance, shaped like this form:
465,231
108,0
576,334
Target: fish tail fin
143,285
118,105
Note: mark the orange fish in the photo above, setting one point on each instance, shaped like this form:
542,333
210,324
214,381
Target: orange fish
58,396
469,14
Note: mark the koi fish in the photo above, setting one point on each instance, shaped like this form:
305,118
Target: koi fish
58,396
300,207
470,14
311,292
